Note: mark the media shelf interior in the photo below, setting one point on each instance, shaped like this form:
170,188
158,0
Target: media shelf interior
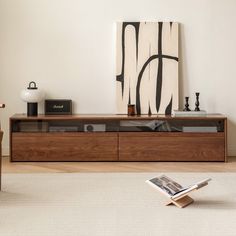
175,125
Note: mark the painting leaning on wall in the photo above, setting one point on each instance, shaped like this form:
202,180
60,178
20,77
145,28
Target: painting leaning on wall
147,67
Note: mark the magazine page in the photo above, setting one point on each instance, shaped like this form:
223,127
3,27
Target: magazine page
202,183
190,188
166,185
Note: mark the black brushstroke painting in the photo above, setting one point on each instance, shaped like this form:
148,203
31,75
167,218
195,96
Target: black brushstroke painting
124,25
159,56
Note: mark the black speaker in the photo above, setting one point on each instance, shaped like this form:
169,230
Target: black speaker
58,107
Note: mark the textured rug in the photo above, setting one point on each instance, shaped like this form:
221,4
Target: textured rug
113,204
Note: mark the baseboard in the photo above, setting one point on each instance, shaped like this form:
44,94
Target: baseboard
232,151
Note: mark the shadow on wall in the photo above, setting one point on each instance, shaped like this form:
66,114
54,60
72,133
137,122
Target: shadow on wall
183,83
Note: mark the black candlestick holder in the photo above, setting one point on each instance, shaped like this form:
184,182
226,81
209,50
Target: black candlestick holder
197,102
186,104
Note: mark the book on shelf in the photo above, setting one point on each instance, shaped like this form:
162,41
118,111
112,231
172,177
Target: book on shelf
172,189
189,113
63,129
200,129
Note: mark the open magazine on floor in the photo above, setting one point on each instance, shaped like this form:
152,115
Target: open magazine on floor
173,189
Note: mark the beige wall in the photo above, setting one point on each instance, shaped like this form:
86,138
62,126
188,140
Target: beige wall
67,47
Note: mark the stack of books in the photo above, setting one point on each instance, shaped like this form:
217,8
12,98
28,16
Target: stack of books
189,113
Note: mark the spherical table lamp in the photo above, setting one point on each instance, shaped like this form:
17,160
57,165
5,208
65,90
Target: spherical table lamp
32,95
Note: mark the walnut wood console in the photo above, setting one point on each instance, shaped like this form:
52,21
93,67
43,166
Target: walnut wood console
118,138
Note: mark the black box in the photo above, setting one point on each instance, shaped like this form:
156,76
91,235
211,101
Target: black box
58,107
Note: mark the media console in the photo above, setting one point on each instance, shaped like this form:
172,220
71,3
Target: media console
118,138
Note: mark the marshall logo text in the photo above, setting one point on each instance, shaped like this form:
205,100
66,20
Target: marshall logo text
58,106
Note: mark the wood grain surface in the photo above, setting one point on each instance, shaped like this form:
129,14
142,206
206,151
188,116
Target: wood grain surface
118,146
64,146
214,116
148,146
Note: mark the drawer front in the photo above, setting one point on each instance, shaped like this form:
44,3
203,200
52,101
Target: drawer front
171,146
64,146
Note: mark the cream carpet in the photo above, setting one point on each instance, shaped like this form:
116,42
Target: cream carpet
113,204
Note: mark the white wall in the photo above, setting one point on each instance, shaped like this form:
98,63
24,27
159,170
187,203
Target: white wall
68,48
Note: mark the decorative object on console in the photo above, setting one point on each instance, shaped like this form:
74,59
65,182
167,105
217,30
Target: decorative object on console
190,113
32,95
131,109
186,104
95,127
197,102
147,67
58,107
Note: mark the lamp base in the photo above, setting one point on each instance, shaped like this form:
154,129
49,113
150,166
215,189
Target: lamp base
32,109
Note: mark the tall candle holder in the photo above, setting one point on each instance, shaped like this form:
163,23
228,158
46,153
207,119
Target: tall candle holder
186,104
197,102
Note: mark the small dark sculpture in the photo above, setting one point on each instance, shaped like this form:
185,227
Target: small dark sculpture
131,109
186,104
197,102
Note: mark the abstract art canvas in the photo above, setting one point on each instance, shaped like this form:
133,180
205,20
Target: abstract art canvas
147,67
